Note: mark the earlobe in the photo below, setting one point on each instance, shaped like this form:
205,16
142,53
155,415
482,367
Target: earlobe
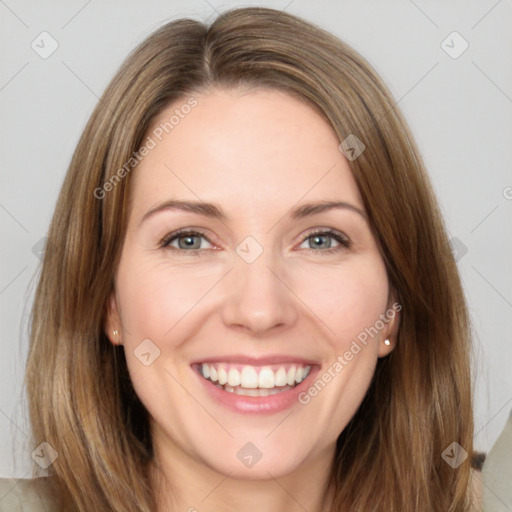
389,336
113,321
386,347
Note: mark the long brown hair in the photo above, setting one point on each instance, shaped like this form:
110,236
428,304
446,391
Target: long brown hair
81,400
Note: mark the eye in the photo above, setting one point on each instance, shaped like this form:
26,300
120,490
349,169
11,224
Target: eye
321,239
187,241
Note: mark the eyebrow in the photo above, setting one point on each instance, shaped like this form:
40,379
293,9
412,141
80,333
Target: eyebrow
215,211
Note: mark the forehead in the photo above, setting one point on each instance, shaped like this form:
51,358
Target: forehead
252,149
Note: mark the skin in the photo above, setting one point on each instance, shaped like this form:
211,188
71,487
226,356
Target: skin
257,154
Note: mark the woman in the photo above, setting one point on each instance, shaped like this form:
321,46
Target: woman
248,295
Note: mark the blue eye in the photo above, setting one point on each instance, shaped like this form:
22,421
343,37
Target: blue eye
320,239
185,241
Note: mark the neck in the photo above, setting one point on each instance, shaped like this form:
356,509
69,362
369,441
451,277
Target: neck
182,483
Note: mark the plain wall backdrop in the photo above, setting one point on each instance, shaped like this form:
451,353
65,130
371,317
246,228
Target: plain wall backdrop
56,60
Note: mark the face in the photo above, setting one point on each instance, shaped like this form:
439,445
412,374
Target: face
251,322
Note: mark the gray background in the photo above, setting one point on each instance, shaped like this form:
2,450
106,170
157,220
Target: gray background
459,109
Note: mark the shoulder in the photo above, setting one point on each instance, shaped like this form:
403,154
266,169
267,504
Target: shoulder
27,495
476,490
497,472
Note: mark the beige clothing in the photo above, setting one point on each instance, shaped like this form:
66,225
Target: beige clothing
18,495
497,473
25,495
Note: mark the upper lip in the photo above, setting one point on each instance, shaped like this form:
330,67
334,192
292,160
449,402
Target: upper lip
256,361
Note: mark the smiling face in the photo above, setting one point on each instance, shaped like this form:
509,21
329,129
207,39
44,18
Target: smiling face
264,292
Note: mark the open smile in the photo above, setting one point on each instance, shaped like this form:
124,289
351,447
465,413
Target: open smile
254,388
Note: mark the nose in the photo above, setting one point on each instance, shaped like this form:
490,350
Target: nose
258,297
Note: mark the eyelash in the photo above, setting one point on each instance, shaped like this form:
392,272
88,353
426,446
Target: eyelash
339,237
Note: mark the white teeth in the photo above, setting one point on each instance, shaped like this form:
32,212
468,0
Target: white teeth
233,377
266,378
252,392
291,375
249,378
223,375
280,378
248,392
206,370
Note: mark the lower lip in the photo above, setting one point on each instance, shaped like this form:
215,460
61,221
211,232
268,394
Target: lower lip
257,404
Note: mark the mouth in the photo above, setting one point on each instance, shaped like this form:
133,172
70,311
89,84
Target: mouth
251,387
247,380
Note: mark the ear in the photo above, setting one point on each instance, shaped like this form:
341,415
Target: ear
390,331
113,328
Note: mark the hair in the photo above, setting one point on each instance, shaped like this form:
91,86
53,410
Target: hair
81,400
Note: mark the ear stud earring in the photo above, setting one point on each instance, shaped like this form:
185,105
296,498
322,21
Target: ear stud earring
387,342
116,334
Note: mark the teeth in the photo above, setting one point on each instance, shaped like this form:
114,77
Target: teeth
266,378
233,377
280,378
252,392
223,376
291,376
206,370
249,378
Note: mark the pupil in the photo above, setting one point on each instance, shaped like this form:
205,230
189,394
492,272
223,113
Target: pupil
318,239
188,240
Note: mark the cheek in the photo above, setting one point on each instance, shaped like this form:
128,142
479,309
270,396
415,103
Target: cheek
154,297
347,299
